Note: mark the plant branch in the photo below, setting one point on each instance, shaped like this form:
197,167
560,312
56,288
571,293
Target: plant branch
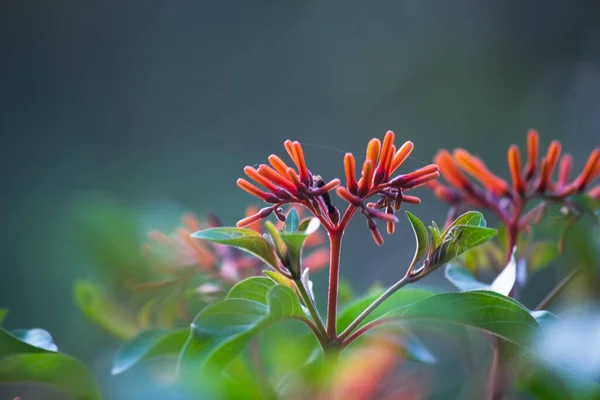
384,296
363,329
335,241
556,291
314,313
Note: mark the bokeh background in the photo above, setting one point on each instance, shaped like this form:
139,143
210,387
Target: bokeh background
153,108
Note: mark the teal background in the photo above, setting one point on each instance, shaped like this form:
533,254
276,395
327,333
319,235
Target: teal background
158,106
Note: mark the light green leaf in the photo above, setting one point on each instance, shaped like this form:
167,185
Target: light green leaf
147,345
458,239
35,337
470,218
244,239
436,234
291,221
279,279
463,279
221,331
587,203
484,310
104,312
421,237
309,225
22,362
401,298
545,318
541,254
3,314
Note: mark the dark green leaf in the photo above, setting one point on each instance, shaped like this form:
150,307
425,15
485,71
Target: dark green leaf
57,370
104,312
541,254
291,221
244,239
587,203
3,313
485,310
221,331
401,298
421,237
149,344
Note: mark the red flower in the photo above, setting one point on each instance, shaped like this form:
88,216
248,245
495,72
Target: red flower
381,161
285,185
534,181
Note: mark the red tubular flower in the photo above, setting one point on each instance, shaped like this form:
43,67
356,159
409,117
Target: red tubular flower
494,193
286,185
381,160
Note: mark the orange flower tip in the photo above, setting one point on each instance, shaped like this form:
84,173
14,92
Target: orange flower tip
411,199
377,238
514,163
350,169
401,155
391,227
402,180
373,149
366,180
349,197
384,216
278,164
422,180
590,171
329,186
553,153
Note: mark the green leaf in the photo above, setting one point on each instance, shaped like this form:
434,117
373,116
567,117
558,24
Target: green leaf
458,239
244,239
57,370
220,332
541,254
463,279
104,312
421,237
470,218
436,234
484,310
147,345
545,318
291,221
279,279
309,225
35,337
294,242
23,362
401,298
587,203
3,314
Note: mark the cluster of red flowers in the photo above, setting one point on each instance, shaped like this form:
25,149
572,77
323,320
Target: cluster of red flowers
179,252
285,185
533,181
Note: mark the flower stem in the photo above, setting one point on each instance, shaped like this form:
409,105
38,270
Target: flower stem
335,240
384,296
556,291
314,313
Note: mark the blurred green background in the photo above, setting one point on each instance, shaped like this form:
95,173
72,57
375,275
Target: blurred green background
153,108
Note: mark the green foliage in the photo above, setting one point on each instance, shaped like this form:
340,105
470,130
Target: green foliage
485,310
467,231
402,298
421,237
464,280
244,239
221,331
3,314
291,221
146,345
103,311
21,361
541,254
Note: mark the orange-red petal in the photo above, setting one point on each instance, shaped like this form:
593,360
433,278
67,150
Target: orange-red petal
477,169
533,143
514,164
401,155
350,169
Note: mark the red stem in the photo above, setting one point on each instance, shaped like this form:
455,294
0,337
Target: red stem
335,241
